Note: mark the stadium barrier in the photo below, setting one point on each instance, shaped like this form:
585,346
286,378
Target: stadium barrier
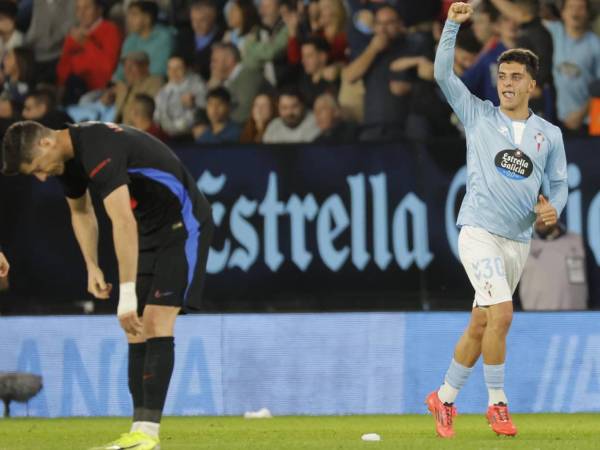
314,364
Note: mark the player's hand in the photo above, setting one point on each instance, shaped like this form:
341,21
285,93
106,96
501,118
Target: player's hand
546,213
4,266
460,12
131,323
96,284
379,43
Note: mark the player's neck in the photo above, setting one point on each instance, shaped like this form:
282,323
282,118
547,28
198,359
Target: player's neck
65,144
517,114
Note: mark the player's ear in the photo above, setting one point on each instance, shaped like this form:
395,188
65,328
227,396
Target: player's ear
532,85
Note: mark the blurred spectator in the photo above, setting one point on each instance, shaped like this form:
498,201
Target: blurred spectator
10,37
467,49
554,276
195,44
263,112
95,105
220,127
265,49
480,78
316,78
535,37
333,128
90,52
485,19
295,123
332,24
144,34
17,72
142,116
178,100
242,20
576,62
41,106
387,96
51,21
137,81
242,83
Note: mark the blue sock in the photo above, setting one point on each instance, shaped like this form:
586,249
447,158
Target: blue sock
455,379
494,380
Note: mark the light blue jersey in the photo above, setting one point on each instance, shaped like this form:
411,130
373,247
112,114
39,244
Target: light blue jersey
504,179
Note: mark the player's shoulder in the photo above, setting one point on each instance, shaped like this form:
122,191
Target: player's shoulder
552,132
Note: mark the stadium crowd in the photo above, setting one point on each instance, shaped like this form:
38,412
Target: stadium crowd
277,71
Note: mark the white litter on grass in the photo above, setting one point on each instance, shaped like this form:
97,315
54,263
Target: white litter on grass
371,437
262,413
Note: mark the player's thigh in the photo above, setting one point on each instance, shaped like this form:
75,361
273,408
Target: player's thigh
482,258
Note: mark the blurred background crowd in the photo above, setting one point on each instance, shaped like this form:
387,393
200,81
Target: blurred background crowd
278,71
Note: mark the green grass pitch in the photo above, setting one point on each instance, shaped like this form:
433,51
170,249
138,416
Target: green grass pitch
536,431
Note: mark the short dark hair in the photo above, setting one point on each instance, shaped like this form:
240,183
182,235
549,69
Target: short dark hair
18,145
147,103
562,3
231,48
148,7
221,93
204,4
319,43
486,7
521,56
291,90
466,40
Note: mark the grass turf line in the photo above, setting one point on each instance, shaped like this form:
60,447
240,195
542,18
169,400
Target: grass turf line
536,431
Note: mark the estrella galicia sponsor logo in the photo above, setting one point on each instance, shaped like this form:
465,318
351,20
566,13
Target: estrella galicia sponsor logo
514,164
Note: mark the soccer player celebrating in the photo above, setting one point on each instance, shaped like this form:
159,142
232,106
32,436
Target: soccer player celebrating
162,227
4,266
509,151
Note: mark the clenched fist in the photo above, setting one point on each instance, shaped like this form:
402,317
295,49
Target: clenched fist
460,12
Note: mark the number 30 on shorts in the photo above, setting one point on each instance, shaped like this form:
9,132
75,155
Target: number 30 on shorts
486,268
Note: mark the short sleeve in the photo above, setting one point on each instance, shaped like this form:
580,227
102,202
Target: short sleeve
107,173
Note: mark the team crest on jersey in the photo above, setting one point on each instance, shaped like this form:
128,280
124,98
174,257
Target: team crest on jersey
514,164
539,140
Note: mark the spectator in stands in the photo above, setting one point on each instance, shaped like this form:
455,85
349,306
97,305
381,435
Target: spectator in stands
295,123
51,21
265,49
17,72
481,77
90,52
220,127
242,83
576,62
467,49
333,128
41,106
316,78
142,116
195,44
387,93
535,37
242,21
137,81
554,276
144,34
263,112
485,19
178,100
332,26
10,37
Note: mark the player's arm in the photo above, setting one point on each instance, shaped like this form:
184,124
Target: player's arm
85,227
548,211
466,106
125,237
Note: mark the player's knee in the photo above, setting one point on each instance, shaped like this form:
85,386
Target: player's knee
501,321
155,325
476,330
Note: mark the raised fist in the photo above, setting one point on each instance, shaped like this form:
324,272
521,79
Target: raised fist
460,12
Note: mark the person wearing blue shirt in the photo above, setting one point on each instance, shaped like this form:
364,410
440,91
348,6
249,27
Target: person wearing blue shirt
510,150
576,62
220,127
146,35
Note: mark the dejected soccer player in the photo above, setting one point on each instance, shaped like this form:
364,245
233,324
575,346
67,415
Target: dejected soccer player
162,227
509,152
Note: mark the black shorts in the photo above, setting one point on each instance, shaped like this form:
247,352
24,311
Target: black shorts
172,273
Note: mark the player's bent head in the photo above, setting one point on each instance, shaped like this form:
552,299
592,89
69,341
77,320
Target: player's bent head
23,143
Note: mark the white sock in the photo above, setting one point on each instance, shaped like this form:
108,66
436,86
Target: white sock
447,393
134,426
496,396
150,428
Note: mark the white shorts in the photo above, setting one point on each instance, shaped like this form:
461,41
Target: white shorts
493,264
